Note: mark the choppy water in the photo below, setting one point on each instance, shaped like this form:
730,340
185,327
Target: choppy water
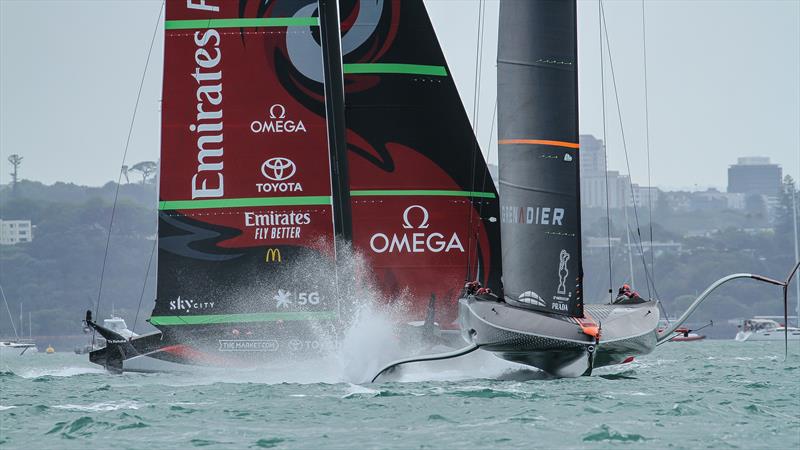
710,394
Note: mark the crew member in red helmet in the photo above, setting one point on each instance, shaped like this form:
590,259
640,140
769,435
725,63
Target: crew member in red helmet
627,296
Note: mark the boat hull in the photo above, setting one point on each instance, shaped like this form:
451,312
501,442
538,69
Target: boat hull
217,347
770,335
17,349
557,344
213,346
690,338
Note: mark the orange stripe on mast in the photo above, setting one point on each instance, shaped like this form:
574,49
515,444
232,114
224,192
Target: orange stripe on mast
539,142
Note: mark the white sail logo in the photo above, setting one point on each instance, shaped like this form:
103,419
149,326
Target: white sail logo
561,291
415,217
563,272
278,171
531,298
208,181
277,122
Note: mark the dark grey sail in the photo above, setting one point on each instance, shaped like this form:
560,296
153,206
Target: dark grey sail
537,105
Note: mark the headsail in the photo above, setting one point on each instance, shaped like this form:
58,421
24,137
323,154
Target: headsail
424,206
538,154
245,223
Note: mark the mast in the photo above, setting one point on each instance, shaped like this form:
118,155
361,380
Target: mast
537,90
334,107
10,317
796,251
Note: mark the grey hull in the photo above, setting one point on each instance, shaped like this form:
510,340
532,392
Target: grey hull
557,344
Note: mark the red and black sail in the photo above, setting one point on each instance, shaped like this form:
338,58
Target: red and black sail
245,215
424,207
281,135
537,76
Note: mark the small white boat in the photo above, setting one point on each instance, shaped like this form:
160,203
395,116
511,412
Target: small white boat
765,329
17,347
118,325
115,323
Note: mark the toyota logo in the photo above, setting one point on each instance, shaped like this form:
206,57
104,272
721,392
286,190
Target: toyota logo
278,169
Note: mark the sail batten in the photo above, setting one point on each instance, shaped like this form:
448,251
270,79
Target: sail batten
540,142
396,68
241,23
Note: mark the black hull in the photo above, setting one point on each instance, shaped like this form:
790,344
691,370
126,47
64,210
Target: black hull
557,344
216,346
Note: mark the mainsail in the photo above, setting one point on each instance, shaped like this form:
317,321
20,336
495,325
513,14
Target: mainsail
290,128
245,215
424,206
538,155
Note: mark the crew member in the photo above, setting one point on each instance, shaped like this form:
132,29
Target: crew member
627,296
472,287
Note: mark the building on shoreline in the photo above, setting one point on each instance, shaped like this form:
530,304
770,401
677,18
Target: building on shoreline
755,175
15,231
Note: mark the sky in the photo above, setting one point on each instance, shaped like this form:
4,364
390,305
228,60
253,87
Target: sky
723,81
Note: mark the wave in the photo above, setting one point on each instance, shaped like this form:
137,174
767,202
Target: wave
59,372
103,406
607,434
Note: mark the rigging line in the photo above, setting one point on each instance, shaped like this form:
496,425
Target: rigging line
10,317
647,145
475,109
124,156
605,151
624,143
144,285
488,157
489,149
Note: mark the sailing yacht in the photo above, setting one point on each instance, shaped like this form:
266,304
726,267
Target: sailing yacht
294,134
298,133
765,328
16,346
540,318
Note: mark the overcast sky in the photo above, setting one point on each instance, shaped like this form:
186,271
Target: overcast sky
723,82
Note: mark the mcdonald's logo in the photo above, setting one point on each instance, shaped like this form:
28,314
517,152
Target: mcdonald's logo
273,255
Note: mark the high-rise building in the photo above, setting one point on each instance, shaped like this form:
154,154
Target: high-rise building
755,175
592,156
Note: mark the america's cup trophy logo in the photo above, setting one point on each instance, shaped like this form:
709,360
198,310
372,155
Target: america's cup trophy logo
563,272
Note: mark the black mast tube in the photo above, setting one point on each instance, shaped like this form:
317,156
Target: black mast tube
334,108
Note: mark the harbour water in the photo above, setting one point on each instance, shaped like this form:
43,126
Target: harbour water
710,394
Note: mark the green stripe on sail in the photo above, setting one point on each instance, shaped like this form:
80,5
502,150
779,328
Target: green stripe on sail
242,318
243,202
422,192
241,23
410,69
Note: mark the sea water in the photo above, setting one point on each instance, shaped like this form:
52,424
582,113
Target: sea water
710,394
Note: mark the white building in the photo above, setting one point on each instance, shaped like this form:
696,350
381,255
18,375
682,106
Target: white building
593,190
595,179
15,231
